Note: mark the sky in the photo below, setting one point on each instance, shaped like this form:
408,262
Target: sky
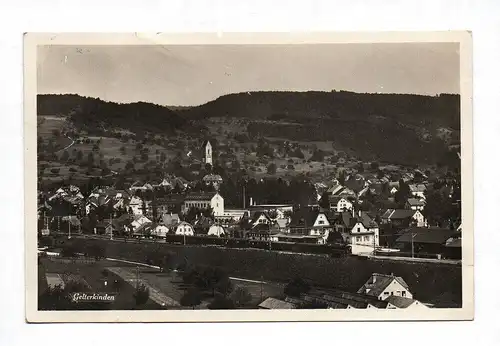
187,75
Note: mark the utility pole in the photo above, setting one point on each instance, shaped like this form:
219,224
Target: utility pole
261,278
244,199
137,278
69,227
111,225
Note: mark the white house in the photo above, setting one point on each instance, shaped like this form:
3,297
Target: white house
383,286
139,220
135,204
183,228
364,235
159,230
308,225
418,190
415,204
404,217
216,230
340,204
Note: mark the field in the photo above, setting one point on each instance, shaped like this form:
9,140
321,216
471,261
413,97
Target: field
440,284
93,275
46,127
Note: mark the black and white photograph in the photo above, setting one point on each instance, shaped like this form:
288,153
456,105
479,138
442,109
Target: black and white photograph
218,177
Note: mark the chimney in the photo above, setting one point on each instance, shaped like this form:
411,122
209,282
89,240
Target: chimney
251,201
353,212
359,213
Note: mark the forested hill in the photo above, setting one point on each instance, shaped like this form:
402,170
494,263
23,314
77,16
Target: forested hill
91,114
399,128
442,110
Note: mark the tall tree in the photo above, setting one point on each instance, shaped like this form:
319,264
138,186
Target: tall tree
324,202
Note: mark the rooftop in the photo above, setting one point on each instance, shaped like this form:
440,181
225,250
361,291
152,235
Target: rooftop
377,283
426,235
273,303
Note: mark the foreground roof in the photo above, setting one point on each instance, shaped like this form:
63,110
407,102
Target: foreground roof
273,303
400,302
377,283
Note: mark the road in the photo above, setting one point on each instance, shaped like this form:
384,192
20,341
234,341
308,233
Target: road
155,295
68,146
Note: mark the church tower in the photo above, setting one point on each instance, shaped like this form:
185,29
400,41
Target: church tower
207,156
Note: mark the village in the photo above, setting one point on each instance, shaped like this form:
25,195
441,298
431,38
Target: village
410,219
344,213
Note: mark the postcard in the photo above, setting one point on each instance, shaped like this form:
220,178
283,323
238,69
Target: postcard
248,177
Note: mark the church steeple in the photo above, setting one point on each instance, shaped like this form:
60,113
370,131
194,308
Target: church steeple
207,148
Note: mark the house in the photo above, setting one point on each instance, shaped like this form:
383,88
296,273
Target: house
393,187
308,225
138,221
404,218
340,204
263,231
144,229
157,230
121,224
170,219
204,201
418,190
355,183
364,235
207,152
337,299
202,224
426,241
275,304
415,204
216,231
94,202
170,203
382,286
136,205
182,228
73,221
341,191
259,218
212,179
230,216
399,302
282,224
274,211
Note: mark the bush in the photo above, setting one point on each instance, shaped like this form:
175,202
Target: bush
191,298
221,303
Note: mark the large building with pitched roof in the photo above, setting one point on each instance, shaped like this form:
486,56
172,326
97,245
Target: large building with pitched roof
382,286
